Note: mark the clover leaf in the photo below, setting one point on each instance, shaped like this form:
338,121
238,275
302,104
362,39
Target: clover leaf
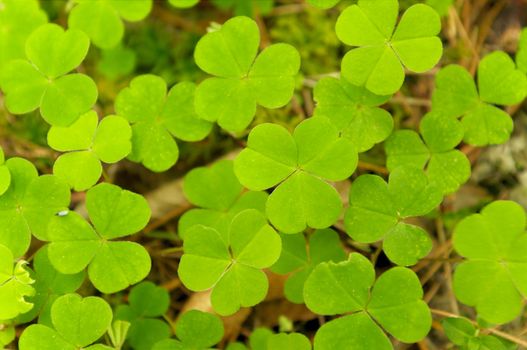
521,54
147,301
7,333
28,205
195,330
15,286
493,243
75,244
49,285
17,21
434,151
499,83
380,57
220,196
117,62
242,79
102,20
183,3
77,323
157,118
299,164
5,175
291,341
464,334
299,260
42,80
354,111
231,268
89,142
441,6
393,302
378,209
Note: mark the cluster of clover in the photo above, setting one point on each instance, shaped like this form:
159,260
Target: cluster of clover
273,206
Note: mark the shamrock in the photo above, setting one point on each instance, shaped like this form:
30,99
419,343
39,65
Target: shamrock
28,205
87,145
147,302
195,330
299,260
233,267
393,302
183,3
446,167
5,175
464,334
42,80
49,285
117,62
291,341
499,83
15,286
242,79
298,164
220,196
77,323
378,62
75,244
17,21
354,111
157,118
377,210
102,21
494,243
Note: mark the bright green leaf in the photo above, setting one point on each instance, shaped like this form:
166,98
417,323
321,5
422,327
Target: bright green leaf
199,330
183,3
291,341
393,302
157,117
15,286
377,211
353,111
231,268
243,78
297,164
493,243
381,54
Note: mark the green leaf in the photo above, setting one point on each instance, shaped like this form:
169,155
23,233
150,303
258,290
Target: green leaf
299,165
292,341
299,260
102,21
183,3
220,194
377,211
499,83
350,287
353,111
447,168
77,323
88,144
28,205
112,266
15,286
242,79
149,300
117,62
199,330
5,174
458,330
231,268
157,117
492,243
42,81
381,54
49,284
17,21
